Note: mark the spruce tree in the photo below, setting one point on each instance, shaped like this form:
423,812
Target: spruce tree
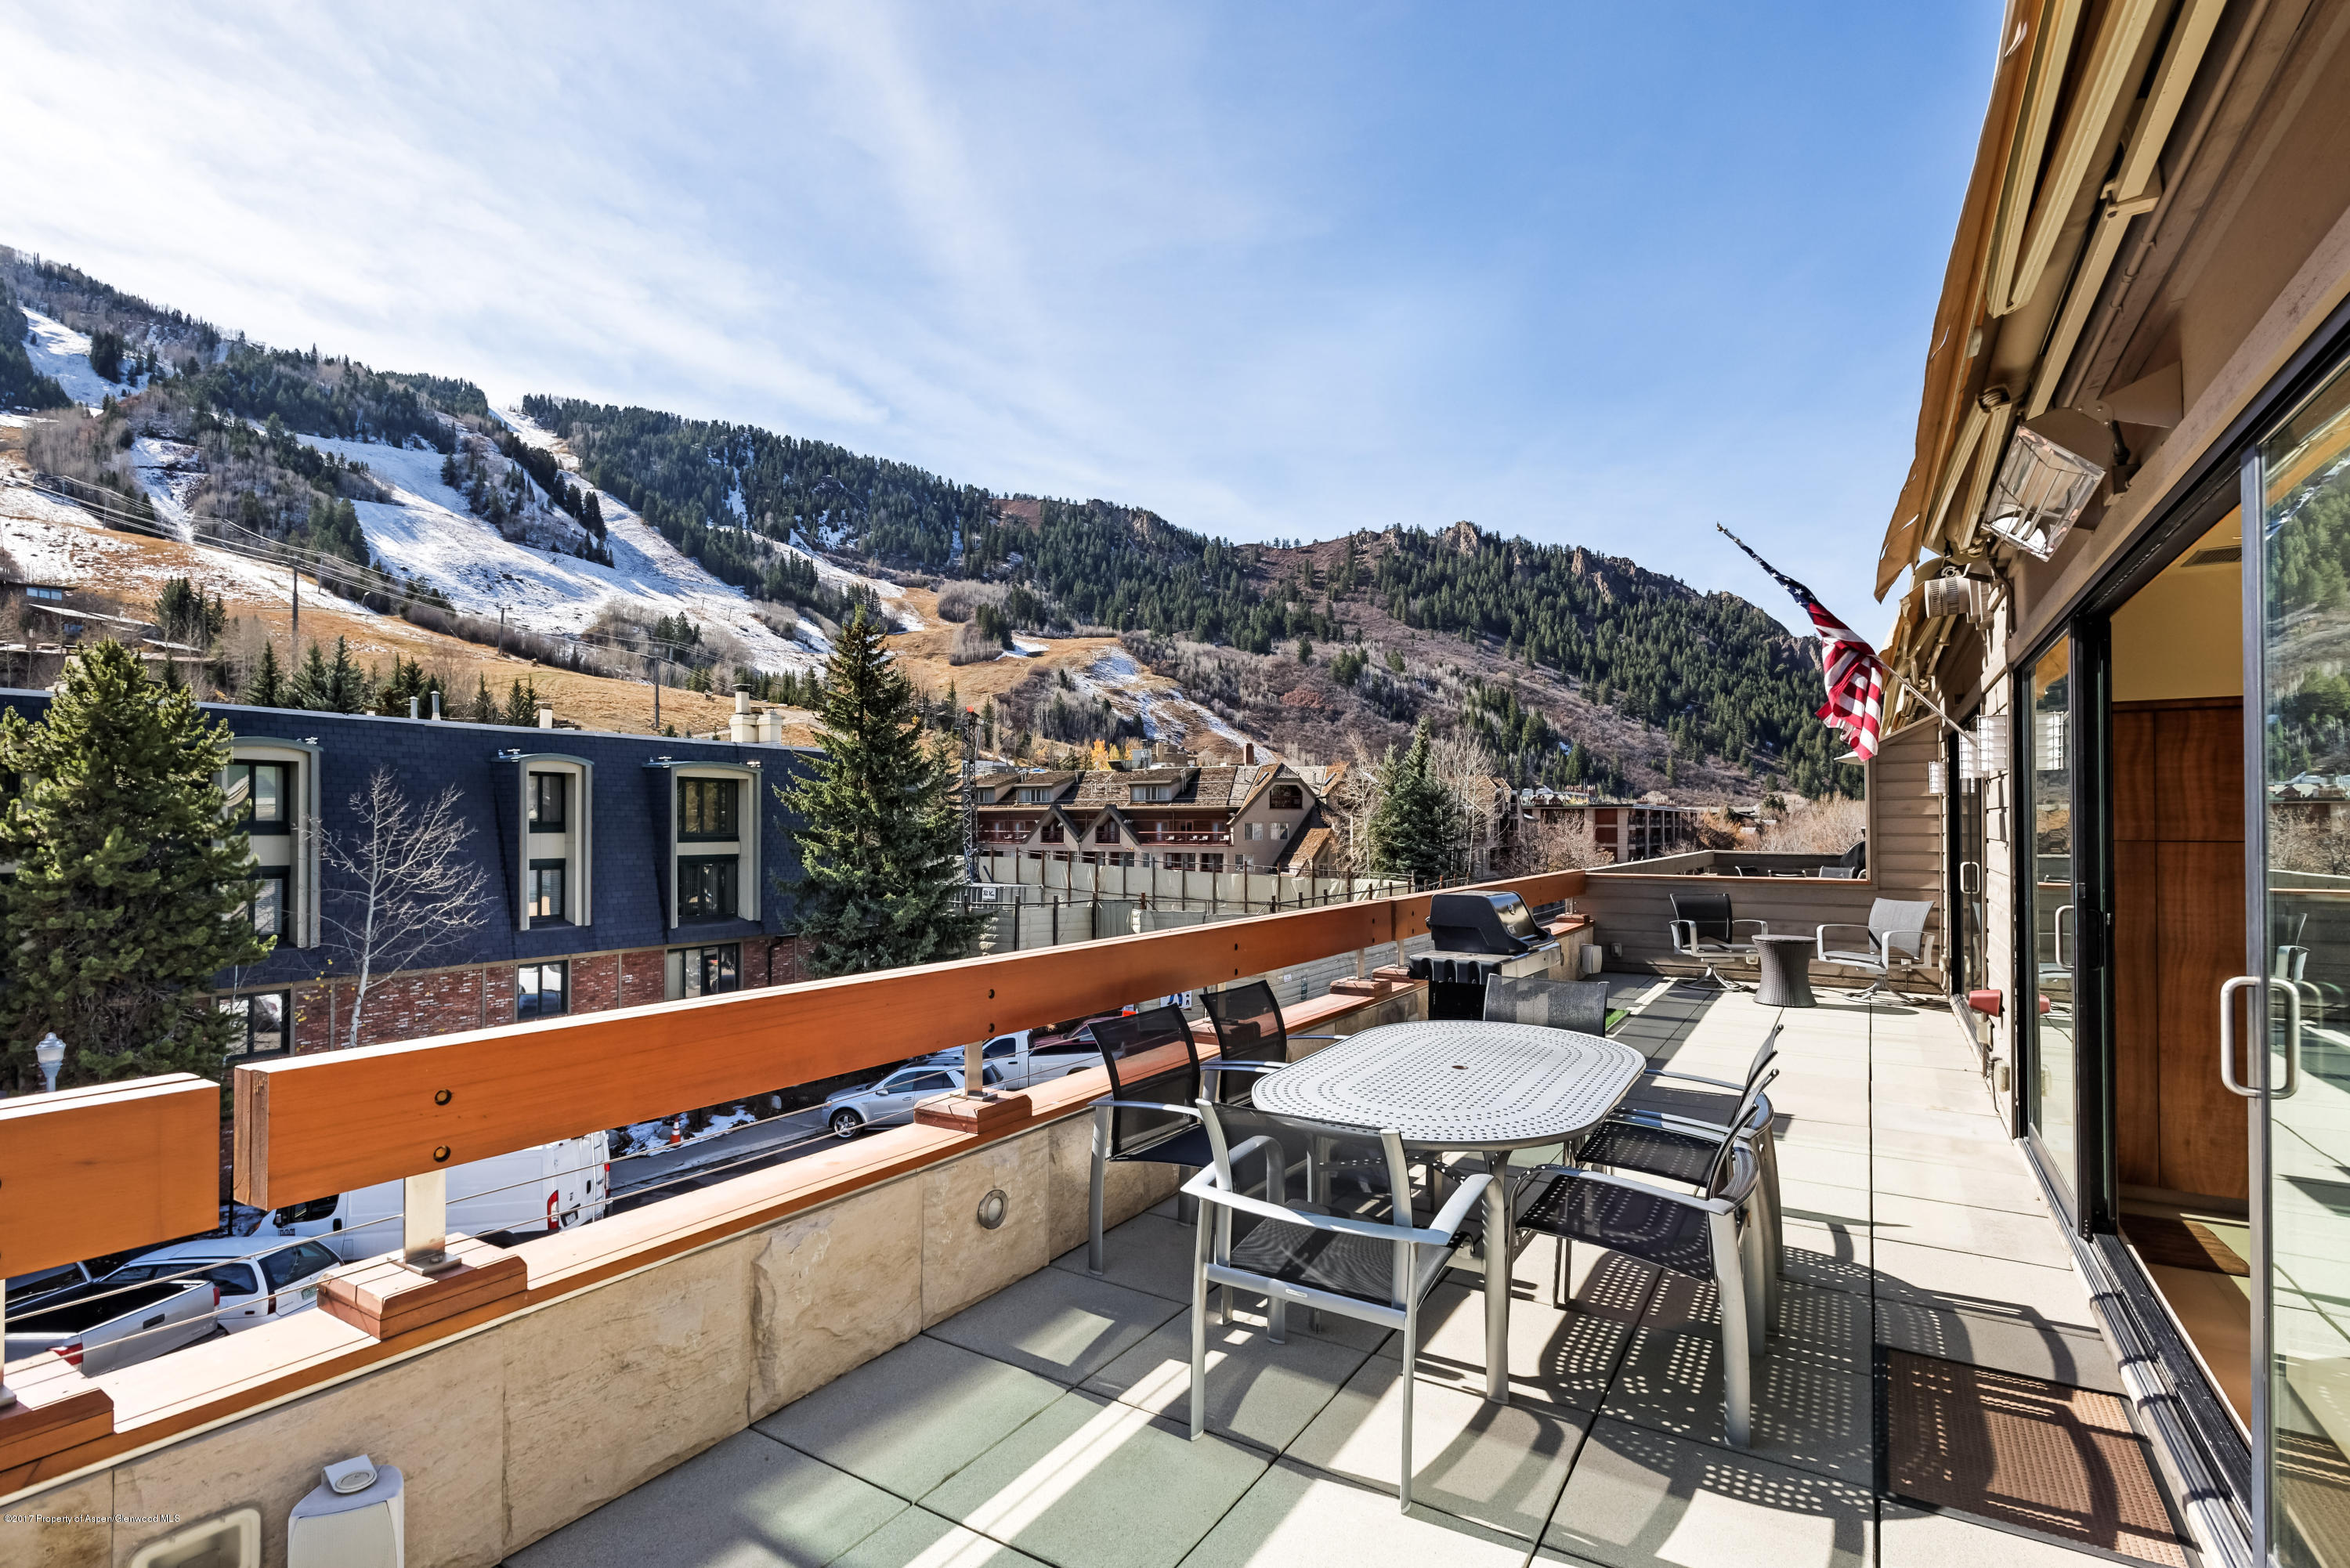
268,688
346,684
485,707
522,706
1416,830
129,891
880,840
312,686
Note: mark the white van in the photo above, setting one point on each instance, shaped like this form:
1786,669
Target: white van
528,1192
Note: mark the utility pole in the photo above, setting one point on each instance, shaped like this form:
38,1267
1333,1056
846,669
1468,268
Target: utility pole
657,686
294,654
502,631
970,802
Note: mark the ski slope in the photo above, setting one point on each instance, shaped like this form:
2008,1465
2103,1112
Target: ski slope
57,350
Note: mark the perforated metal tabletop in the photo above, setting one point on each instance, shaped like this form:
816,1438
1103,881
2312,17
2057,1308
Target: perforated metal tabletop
1451,1084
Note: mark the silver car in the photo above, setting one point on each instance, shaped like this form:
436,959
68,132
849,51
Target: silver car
891,1102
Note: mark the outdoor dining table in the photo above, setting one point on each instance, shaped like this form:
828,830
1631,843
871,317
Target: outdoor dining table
1453,1086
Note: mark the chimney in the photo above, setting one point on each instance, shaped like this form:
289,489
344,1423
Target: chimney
412,708
546,715
436,704
771,728
1247,752
741,727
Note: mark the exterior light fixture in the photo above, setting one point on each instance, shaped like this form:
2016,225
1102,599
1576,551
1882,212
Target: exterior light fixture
2040,493
51,1054
1935,784
1991,744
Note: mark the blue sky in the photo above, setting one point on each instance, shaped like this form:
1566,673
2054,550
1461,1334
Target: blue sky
1591,274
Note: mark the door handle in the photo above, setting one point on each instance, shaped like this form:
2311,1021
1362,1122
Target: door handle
2293,990
2228,1031
2062,911
1965,867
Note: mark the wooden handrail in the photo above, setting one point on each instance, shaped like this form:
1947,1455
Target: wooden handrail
314,1126
88,1171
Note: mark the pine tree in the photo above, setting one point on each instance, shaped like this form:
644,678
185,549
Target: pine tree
1416,830
346,684
522,707
485,707
128,887
312,686
268,688
880,840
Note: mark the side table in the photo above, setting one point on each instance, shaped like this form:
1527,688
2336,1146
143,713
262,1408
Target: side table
1785,978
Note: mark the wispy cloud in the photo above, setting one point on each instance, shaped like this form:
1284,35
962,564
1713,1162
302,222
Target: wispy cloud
1582,276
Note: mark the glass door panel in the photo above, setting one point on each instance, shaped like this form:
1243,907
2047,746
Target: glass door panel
1972,967
2303,946
2049,1086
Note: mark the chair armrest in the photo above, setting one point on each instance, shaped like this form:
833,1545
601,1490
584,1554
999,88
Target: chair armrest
1885,946
1693,1079
1313,1037
1148,1106
1762,926
1682,934
1208,1190
1820,940
1458,1207
1217,1065
1711,1205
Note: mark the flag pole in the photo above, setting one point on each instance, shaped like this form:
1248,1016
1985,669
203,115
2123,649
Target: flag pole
1932,706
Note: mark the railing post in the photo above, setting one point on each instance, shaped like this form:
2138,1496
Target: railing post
424,1223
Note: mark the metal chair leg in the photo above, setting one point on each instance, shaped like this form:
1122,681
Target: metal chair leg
1737,1365
1096,1263
1200,1334
1410,1376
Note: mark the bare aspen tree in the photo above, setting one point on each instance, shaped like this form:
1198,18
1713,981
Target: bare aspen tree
404,885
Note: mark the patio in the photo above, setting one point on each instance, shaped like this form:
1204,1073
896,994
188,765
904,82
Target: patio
1045,1423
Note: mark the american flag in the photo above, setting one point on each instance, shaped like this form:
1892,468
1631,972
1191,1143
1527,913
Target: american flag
1855,676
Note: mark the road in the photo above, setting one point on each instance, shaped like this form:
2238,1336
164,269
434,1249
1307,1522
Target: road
649,1179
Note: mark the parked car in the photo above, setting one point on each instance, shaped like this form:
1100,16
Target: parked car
1026,1057
548,1187
849,1112
103,1325
258,1283
26,1290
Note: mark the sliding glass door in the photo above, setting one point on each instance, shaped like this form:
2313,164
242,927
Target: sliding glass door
2051,1018
2292,1008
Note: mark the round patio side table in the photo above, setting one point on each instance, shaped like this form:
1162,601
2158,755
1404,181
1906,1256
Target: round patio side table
1785,965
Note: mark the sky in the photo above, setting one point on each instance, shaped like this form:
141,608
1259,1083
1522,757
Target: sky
1591,275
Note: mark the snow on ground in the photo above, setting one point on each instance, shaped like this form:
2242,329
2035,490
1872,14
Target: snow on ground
426,530
58,542
1024,648
170,472
56,349
903,615
1166,714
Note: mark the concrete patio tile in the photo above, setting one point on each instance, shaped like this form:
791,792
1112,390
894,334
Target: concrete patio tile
1811,1416
1827,1164
1818,1132
1837,1252
1093,1483
1297,1515
1823,1200
2022,1238
1639,1498
1149,1252
1959,1088
909,1419
1063,1326
1817,1326
1843,1106
1985,1183
1258,1392
1500,1466
1977,1151
921,1539
747,1503
1917,1538
2006,1341
1935,1276
1903,1121
1556,1357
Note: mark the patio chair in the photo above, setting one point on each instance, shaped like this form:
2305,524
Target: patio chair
1897,941
1250,1036
1577,1005
1709,1235
1703,928
1148,1114
1352,1249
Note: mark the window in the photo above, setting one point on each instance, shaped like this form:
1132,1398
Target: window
1281,830
705,887
1038,794
267,905
548,792
1212,862
47,595
1286,797
1144,794
258,800
706,809
922,1082
1051,833
705,971
233,1279
1106,830
546,887
262,1021
1175,862
282,1267
542,989
1254,830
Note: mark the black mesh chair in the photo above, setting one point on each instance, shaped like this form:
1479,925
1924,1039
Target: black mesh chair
1351,1244
1577,1005
1148,1115
1678,1134
1702,928
1708,1235
1249,1037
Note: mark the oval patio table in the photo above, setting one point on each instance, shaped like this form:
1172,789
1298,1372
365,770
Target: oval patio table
1451,1084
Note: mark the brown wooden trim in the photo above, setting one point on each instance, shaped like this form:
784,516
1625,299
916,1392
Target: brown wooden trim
384,1298
159,1400
2160,704
107,1168
35,1428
